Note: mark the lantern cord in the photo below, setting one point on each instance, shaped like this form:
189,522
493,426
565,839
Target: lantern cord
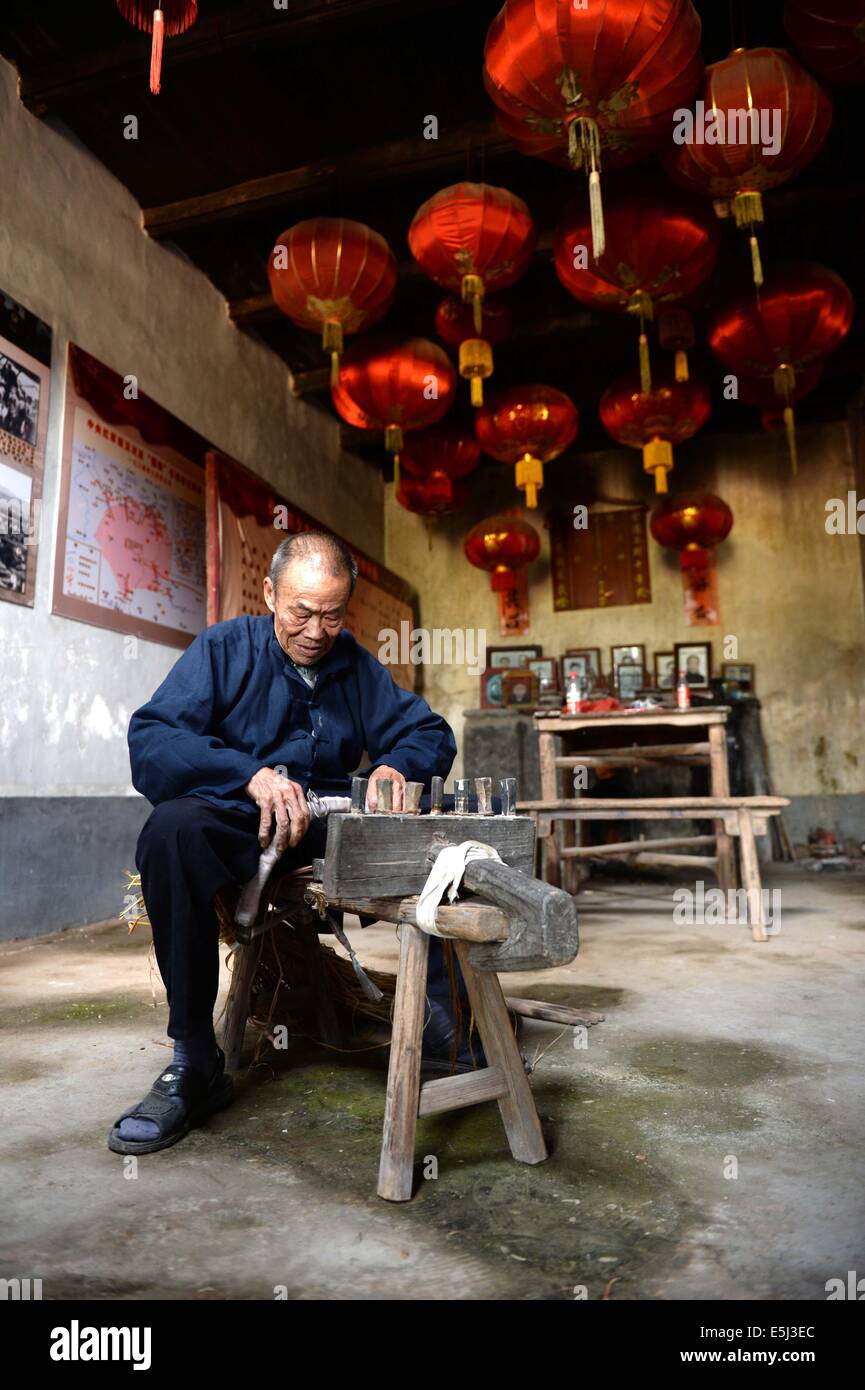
790,427
645,364
756,263
156,52
584,151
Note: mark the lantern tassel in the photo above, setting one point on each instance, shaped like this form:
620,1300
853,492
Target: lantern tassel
530,477
645,366
396,471
477,390
681,365
584,152
756,262
156,52
790,427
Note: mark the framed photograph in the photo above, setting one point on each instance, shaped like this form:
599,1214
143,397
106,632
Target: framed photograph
492,694
582,662
628,665
517,658
520,689
25,371
695,659
546,668
739,674
665,670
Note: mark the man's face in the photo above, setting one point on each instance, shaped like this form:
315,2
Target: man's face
693,665
308,608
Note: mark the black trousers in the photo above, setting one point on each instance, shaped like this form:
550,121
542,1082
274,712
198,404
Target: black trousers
188,851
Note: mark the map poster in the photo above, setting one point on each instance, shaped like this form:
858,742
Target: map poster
131,531
25,371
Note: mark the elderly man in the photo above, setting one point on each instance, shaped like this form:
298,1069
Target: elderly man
257,712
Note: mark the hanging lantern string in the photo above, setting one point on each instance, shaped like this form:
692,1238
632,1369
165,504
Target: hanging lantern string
748,214
784,381
584,150
641,303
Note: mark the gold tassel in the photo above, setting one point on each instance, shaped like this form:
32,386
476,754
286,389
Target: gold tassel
477,389
584,152
334,369
645,366
530,477
396,471
681,365
473,293
748,208
756,263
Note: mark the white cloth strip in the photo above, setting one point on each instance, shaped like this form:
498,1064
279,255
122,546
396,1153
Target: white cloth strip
446,875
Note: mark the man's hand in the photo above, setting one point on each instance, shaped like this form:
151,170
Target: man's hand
286,800
382,773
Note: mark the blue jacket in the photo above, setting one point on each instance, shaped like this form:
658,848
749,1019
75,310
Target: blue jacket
234,703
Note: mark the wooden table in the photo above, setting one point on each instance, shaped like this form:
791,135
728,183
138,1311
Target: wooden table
698,738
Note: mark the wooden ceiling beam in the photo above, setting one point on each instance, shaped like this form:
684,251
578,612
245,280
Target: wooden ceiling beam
45,87
380,165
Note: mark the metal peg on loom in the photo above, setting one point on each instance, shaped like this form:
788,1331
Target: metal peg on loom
437,796
384,801
508,787
411,798
461,796
358,795
484,789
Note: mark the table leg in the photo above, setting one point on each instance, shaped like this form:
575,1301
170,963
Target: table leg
719,782
550,792
751,876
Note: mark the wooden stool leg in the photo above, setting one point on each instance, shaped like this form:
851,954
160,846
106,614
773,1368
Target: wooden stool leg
396,1167
519,1116
719,783
243,965
751,875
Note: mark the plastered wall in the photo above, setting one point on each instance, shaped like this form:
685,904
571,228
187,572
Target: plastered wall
789,592
72,250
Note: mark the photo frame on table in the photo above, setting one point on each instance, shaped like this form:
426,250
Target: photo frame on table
739,674
665,670
584,662
513,657
695,659
546,668
520,689
628,667
492,694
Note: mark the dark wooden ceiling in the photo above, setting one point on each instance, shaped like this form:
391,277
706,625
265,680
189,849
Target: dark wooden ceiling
267,116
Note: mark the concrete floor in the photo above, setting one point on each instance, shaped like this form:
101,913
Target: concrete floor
716,1053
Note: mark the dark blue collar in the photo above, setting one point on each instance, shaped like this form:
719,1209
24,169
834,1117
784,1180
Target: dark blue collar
339,658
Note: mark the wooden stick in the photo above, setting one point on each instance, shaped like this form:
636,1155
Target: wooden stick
552,1013
396,1166
637,846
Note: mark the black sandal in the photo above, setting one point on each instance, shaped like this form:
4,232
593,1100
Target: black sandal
179,1099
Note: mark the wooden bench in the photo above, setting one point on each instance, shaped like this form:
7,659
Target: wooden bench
742,817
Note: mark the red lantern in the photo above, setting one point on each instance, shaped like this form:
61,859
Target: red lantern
167,18
575,83
502,545
395,389
760,392
654,421
527,426
661,249
440,457
432,496
739,164
800,316
332,275
830,36
469,239
692,523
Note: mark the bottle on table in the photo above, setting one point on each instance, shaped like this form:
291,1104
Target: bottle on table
683,692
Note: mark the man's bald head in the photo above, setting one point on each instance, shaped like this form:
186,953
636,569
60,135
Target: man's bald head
317,549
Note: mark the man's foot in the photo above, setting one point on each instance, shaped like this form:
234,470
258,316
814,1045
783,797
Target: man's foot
180,1098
